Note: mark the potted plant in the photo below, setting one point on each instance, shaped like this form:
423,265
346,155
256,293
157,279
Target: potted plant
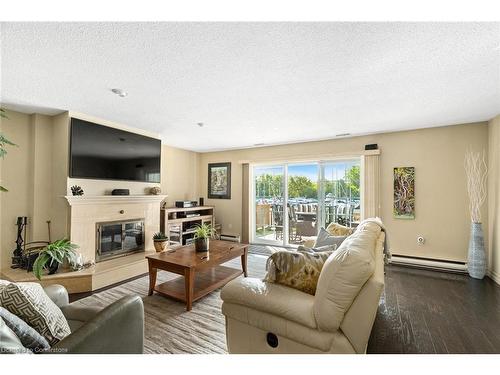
160,241
202,235
53,255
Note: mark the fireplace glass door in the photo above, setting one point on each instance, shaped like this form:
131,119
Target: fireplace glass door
119,238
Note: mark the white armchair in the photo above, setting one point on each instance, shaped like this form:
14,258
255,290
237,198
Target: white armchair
264,317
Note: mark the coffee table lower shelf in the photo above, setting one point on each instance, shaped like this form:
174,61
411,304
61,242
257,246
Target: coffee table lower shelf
205,282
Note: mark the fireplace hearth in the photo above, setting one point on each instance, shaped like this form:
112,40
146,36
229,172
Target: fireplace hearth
119,238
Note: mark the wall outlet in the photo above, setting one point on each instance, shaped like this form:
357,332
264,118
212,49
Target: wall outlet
420,240
230,226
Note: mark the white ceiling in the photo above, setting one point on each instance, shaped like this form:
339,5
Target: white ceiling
253,83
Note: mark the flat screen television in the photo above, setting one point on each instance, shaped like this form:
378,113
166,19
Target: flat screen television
105,153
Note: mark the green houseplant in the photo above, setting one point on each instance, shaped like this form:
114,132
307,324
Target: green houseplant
160,240
53,255
3,143
202,235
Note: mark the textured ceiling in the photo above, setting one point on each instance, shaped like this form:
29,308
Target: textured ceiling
252,83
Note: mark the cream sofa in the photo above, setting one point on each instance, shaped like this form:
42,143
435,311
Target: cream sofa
264,317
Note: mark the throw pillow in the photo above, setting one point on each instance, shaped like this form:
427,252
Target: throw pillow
317,249
298,270
325,239
29,302
30,338
336,229
3,284
9,342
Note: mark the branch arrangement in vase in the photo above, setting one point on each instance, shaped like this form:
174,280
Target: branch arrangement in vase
476,171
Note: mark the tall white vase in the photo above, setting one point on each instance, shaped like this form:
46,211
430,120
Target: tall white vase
477,255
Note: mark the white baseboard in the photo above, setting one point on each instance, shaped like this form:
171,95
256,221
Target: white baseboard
495,276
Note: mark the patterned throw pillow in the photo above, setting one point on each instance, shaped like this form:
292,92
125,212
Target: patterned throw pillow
298,270
3,284
30,338
30,303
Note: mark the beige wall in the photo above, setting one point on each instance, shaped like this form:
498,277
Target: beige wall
494,197
179,171
16,175
441,199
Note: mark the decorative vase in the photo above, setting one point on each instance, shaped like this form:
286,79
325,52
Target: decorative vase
160,245
476,263
201,245
53,267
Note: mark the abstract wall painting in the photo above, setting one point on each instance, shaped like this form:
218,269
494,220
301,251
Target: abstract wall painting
404,193
219,180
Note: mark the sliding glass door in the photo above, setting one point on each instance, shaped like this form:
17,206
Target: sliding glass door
269,194
291,201
340,200
302,202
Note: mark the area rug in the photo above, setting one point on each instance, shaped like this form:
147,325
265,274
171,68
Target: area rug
169,328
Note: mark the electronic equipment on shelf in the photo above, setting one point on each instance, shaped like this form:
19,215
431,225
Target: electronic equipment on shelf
186,204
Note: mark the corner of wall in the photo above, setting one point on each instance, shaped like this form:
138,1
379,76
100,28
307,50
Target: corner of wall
494,198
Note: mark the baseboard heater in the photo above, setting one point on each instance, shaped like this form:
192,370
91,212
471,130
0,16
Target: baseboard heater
230,237
428,263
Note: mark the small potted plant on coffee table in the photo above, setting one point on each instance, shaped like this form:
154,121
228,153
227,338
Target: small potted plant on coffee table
53,255
202,235
160,241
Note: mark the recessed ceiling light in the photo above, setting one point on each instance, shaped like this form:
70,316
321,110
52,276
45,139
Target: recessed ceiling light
200,124
120,92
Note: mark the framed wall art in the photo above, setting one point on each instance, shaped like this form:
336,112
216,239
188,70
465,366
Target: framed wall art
219,180
404,193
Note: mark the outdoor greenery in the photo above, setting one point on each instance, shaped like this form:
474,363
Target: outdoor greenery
56,251
3,143
268,185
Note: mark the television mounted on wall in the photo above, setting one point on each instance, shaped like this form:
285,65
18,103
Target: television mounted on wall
105,153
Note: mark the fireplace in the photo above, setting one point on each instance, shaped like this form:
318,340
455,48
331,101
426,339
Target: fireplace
119,238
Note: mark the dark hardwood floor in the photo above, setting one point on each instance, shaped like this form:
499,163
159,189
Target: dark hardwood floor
424,311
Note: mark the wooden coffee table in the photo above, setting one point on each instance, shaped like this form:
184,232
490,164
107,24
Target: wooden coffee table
202,272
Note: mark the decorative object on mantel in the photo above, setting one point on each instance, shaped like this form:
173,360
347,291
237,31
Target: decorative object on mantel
476,171
160,241
202,234
120,192
53,255
156,190
76,190
219,180
404,193
4,142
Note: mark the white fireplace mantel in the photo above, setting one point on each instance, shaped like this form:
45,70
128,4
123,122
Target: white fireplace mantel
113,199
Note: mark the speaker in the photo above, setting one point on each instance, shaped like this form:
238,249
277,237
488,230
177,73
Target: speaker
120,192
202,201
272,340
372,146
